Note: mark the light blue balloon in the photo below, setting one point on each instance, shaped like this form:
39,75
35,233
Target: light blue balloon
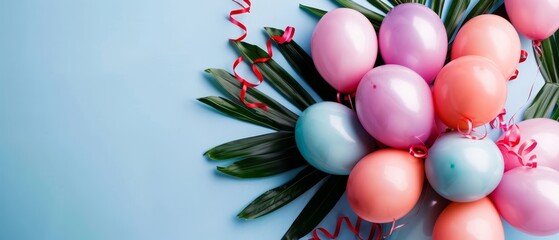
464,170
330,138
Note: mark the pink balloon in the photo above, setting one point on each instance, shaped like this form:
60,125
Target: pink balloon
546,133
394,104
344,47
528,198
412,35
537,20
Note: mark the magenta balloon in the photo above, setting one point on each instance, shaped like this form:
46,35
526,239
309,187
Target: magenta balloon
546,133
394,104
344,47
537,20
414,36
528,198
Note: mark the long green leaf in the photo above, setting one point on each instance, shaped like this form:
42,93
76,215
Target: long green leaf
313,11
252,146
318,207
237,111
277,76
232,86
303,64
455,13
549,60
266,164
544,102
481,7
437,6
375,18
380,5
395,2
280,196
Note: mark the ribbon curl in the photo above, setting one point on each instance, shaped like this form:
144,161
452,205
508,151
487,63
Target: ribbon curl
511,139
353,228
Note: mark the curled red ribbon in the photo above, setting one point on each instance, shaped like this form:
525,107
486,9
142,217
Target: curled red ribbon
347,97
511,138
523,57
353,228
418,151
469,133
243,10
538,47
287,36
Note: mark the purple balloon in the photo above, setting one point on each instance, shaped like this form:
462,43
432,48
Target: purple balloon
394,104
414,36
528,198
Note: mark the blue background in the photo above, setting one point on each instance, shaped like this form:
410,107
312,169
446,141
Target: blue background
100,133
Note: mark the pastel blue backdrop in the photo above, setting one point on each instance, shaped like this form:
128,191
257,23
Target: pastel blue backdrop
100,133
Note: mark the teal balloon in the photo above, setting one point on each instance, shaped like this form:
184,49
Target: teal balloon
330,138
464,170
419,222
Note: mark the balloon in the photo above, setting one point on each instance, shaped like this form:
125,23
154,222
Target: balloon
412,35
473,220
512,234
537,20
330,138
394,104
546,133
469,87
344,47
492,37
385,185
464,170
419,222
528,198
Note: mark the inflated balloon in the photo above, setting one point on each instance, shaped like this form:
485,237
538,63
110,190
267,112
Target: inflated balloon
344,47
330,138
419,222
469,88
512,233
464,170
473,220
394,104
385,185
528,199
426,53
537,20
490,36
546,134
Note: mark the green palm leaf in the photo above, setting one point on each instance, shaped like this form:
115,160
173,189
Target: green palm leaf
303,64
454,16
318,207
374,17
380,5
481,7
437,6
266,164
237,111
277,76
278,197
313,11
252,146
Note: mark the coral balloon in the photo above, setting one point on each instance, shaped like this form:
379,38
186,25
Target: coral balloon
426,53
385,185
330,138
528,199
546,133
344,47
466,221
492,37
394,104
464,170
537,20
469,88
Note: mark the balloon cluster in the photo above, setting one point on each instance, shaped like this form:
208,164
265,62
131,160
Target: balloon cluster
415,100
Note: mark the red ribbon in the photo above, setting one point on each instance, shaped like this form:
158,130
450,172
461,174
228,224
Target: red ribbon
418,151
353,228
523,57
469,133
347,97
511,138
287,36
243,10
538,47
